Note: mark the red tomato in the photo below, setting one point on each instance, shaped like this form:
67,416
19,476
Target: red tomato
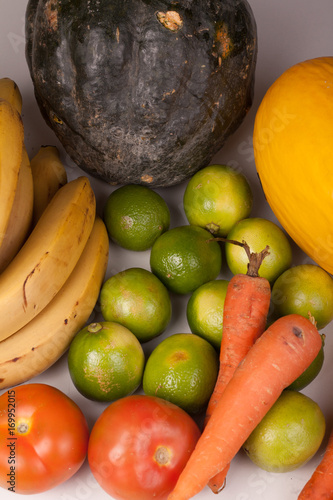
43,438
139,445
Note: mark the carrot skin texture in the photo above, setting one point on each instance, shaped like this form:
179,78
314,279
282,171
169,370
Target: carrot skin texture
277,358
245,313
320,484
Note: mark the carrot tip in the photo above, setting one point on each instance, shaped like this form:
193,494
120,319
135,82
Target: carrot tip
217,487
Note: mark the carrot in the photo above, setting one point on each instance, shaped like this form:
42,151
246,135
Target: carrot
246,307
320,484
278,357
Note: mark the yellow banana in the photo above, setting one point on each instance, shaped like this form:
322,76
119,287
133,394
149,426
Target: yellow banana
11,147
40,343
48,256
20,219
9,90
49,174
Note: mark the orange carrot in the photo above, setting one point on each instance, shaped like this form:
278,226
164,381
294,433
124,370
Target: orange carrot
278,357
320,484
246,307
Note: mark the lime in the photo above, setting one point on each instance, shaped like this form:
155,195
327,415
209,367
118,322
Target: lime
106,361
304,289
216,198
184,258
182,369
137,299
311,371
257,233
288,435
135,216
205,311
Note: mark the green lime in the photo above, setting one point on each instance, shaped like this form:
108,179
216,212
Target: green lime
182,369
311,371
106,361
185,257
288,435
135,216
216,198
205,311
257,233
137,299
304,289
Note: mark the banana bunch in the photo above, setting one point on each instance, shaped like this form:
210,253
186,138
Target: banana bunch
53,250
42,341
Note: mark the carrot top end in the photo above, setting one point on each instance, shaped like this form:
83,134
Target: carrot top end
255,258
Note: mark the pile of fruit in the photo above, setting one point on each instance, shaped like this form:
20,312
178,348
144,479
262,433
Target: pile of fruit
255,338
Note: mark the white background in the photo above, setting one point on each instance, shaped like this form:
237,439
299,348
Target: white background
289,31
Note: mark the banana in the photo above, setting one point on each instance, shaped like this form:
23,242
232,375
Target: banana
40,343
9,90
48,256
11,147
19,221
21,215
49,174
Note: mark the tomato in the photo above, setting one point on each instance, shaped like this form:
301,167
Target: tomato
43,438
139,445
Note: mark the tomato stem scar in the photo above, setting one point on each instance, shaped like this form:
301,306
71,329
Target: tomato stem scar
162,455
22,428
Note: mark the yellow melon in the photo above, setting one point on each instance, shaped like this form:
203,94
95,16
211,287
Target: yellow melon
293,150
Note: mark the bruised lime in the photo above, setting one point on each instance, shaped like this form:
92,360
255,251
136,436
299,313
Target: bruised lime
137,299
135,216
216,198
304,289
106,361
182,369
185,257
288,435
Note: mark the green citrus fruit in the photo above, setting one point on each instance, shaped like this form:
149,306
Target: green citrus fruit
205,311
311,372
137,299
288,435
135,216
184,258
257,233
106,361
182,369
304,289
216,198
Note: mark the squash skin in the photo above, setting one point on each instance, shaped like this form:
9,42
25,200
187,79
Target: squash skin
133,101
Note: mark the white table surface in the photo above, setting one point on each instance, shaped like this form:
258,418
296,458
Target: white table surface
289,31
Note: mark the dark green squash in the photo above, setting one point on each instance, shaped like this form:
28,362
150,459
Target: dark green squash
142,91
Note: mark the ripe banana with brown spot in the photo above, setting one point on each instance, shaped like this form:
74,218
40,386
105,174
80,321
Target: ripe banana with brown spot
49,255
10,91
40,343
11,147
20,219
49,175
